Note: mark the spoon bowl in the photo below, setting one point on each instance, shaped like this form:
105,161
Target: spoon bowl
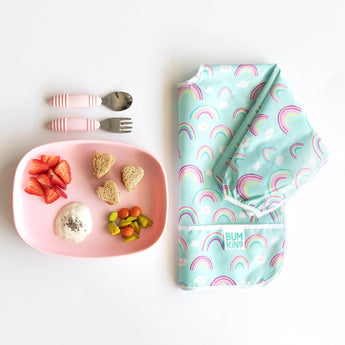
118,101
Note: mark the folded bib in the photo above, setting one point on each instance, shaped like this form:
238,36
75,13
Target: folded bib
244,146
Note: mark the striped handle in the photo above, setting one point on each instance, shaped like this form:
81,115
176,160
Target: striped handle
67,124
73,101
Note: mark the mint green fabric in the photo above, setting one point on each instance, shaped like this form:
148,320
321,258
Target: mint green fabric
244,147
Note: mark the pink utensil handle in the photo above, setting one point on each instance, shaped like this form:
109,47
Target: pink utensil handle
74,101
67,124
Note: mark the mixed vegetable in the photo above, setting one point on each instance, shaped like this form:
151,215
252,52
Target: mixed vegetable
128,223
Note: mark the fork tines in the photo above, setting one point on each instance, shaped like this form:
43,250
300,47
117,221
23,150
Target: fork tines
125,124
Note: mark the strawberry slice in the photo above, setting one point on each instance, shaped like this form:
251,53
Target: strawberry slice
53,160
44,158
37,167
55,179
50,160
64,171
44,180
60,191
50,195
34,187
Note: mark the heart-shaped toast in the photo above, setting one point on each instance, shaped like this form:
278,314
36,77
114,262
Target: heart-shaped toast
102,162
109,192
131,176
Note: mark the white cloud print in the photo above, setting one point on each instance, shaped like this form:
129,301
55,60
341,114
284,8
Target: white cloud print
224,105
279,160
242,84
260,259
200,280
205,210
225,68
269,133
245,141
203,127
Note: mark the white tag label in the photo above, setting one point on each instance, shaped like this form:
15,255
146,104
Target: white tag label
234,238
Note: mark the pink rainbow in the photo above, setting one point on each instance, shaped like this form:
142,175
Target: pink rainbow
258,119
200,260
192,89
223,280
284,114
244,182
246,68
256,91
192,170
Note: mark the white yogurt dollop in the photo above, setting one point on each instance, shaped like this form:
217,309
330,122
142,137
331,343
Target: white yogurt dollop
73,222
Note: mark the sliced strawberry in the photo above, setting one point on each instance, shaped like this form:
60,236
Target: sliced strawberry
55,179
44,158
50,160
37,167
64,171
60,191
50,195
44,180
34,187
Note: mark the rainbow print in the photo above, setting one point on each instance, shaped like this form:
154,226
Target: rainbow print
216,237
272,201
251,69
201,261
254,219
223,281
191,89
274,215
294,148
208,70
187,128
256,240
239,261
240,112
275,178
255,124
256,91
208,110
219,180
285,114
261,281
225,92
221,130
188,211
233,163
192,171
276,90
182,244
205,151
245,182
266,151
209,193
225,213
302,175
277,260
316,141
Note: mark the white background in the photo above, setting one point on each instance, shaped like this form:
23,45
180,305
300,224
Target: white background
146,48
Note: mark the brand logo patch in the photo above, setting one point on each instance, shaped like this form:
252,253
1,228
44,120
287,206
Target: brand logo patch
234,239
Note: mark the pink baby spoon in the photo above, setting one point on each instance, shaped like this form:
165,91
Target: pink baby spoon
116,101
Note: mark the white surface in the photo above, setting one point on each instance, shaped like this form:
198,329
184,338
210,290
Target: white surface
146,48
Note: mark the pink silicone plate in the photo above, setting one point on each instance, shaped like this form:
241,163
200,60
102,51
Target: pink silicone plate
34,219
